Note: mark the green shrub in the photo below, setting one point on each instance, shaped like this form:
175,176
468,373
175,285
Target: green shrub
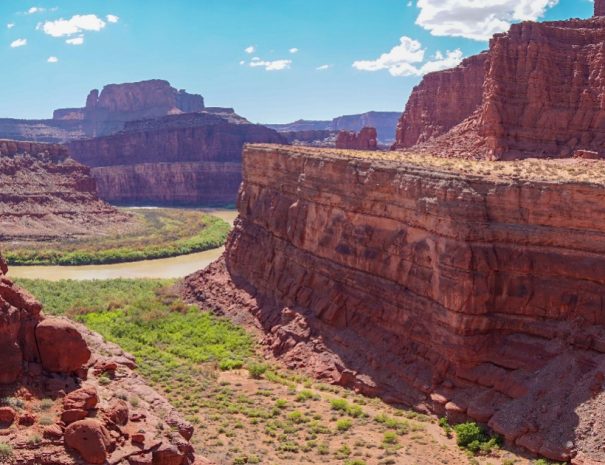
257,370
355,462
472,437
46,404
228,365
339,405
390,437
343,425
6,451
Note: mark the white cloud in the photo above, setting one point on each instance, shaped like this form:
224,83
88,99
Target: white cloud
323,67
250,50
294,50
477,20
397,60
19,43
275,65
10,25
34,10
75,25
242,62
441,62
112,18
53,60
75,41
405,60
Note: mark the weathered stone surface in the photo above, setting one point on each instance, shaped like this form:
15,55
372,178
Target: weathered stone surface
84,399
188,159
62,348
90,438
441,101
45,195
541,96
406,281
366,139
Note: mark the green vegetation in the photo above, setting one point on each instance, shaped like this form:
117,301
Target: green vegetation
147,319
344,424
472,437
162,233
6,451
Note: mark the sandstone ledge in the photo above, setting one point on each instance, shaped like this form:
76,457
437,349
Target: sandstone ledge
430,283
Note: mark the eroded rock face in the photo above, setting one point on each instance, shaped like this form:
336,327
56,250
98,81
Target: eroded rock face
441,101
187,160
466,296
44,194
91,439
542,96
365,140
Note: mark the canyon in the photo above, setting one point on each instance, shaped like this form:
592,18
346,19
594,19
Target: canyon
46,195
428,284
62,390
537,92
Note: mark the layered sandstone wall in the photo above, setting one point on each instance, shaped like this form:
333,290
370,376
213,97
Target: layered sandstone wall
538,92
472,296
441,101
366,139
44,194
187,159
176,183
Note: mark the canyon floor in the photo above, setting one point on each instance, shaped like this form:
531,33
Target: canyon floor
247,409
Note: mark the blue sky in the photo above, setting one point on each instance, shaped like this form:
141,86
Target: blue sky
311,59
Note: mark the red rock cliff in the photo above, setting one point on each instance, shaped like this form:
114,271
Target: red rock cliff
44,194
473,296
366,139
187,159
543,96
441,101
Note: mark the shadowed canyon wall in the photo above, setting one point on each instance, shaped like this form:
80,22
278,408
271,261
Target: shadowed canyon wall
189,159
429,287
543,95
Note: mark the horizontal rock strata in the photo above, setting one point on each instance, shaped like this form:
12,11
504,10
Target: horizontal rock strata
470,296
44,194
189,159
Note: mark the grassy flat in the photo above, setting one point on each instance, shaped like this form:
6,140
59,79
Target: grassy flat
160,233
248,411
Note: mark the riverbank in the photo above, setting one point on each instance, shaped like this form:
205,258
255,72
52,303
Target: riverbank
161,233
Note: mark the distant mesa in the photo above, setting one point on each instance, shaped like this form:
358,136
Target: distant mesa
385,123
537,92
132,101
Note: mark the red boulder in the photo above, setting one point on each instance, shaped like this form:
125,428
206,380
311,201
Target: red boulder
62,347
90,438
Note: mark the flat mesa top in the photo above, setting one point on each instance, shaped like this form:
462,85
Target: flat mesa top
563,171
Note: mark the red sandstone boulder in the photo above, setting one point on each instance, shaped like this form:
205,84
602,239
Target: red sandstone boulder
71,416
83,399
7,415
90,438
52,433
118,412
168,454
62,348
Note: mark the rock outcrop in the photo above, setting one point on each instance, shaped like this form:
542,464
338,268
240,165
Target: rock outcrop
44,194
74,378
472,296
192,159
385,123
542,96
364,140
441,101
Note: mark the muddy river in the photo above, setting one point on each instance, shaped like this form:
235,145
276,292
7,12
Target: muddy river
175,267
